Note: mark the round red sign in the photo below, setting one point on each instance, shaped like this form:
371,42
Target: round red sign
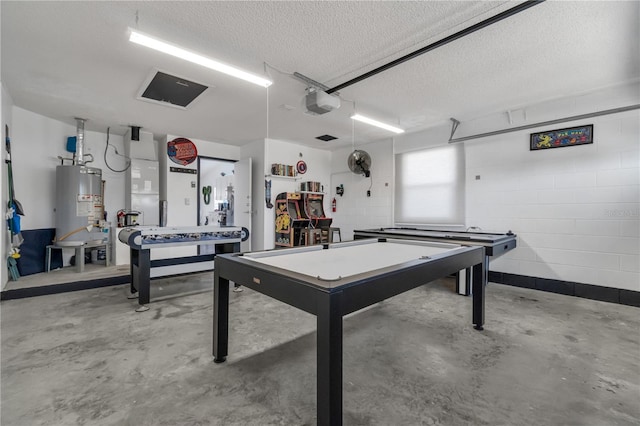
182,151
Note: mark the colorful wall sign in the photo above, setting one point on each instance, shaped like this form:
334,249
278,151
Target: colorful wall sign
563,137
182,151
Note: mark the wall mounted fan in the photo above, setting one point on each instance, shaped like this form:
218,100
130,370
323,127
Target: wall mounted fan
359,162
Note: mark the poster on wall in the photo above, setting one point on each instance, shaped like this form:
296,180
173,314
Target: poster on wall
182,151
572,136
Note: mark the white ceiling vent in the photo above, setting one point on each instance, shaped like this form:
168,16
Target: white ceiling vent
170,90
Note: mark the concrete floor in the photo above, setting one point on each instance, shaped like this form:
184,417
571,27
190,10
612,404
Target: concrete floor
543,359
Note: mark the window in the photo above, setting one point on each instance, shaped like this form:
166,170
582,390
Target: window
430,186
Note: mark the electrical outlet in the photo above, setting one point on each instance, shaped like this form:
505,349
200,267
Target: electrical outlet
368,193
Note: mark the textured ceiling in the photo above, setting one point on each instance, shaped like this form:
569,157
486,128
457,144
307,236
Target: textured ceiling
68,59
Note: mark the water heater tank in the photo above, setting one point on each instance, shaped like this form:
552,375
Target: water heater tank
79,207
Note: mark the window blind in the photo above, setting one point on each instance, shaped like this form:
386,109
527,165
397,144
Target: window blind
430,186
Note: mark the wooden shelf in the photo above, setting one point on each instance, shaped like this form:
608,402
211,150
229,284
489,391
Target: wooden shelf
312,192
283,177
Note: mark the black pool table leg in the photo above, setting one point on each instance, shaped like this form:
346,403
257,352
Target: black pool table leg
133,260
141,277
220,318
485,270
478,283
329,360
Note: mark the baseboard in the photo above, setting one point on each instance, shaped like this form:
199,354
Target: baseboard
45,290
586,291
21,293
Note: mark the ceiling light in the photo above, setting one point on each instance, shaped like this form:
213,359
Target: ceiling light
181,53
376,123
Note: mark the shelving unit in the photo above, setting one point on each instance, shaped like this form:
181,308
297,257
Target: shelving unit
283,170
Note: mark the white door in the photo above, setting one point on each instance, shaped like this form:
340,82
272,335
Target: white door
242,198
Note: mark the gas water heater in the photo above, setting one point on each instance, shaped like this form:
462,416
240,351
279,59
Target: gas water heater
79,204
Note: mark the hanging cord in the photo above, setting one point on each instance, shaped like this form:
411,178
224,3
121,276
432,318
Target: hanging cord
117,153
353,143
353,128
267,65
353,138
266,71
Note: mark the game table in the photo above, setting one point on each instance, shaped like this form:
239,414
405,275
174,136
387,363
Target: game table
333,280
495,244
141,239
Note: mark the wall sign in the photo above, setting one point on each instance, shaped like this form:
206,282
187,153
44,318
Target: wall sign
560,138
181,170
182,151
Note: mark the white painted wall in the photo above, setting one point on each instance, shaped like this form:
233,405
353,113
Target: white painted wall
575,209
354,209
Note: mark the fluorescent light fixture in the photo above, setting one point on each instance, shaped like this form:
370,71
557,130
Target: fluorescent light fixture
376,123
178,52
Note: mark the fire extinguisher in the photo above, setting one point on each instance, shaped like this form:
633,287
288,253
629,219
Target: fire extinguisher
120,216
333,205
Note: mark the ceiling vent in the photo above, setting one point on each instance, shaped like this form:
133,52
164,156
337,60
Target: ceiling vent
170,90
326,138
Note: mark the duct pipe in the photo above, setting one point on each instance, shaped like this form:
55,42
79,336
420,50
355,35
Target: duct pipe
80,141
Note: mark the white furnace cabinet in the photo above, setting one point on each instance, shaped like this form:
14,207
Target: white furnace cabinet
142,187
144,191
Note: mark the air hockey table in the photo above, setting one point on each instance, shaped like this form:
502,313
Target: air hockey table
495,244
141,239
333,280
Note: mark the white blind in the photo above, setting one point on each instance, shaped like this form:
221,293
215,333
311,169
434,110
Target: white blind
430,186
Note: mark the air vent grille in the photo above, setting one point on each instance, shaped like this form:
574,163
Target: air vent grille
171,90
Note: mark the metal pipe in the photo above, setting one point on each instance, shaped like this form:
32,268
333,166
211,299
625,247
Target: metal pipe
310,81
542,123
465,32
80,140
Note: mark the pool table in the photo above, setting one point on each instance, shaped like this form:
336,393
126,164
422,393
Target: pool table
333,280
495,244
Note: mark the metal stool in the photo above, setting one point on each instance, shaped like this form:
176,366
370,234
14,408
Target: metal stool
310,236
332,231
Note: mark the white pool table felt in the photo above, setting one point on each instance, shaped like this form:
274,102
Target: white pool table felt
341,261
